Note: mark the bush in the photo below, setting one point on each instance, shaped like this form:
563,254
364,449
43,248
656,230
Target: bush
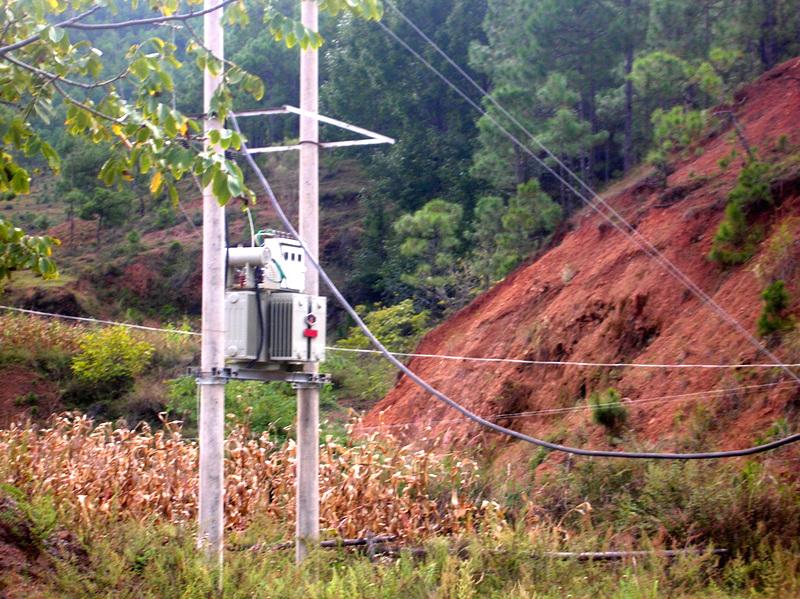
773,317
607,409
734,242
368,377
676,128
111,355
752,189
263,407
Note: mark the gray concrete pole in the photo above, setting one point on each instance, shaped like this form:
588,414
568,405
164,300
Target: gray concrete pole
307,486
212,391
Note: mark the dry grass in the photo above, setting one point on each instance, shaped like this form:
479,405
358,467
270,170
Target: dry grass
22,331
100,473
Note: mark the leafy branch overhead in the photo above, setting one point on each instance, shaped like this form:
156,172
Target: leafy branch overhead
50,67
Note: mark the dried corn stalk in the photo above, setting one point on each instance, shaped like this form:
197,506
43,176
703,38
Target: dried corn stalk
101,473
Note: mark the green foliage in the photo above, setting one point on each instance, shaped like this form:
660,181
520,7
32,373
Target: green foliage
369,377
735,241
120,99
110,355
429,240
773,318
487,261
262,407
660,77
109,208
19,251
674,130
531,216
398,327
607,409
503,235
26,523
752,190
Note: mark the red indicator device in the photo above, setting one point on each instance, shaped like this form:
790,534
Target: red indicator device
310,333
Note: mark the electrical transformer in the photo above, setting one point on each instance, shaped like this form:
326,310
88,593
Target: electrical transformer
269,322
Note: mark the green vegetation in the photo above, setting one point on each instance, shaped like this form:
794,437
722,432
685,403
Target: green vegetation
19,251
367,377
735,240
773,318
430,243
111,355
263,407
607,409
112,93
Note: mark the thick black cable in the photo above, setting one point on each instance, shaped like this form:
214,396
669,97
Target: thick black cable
452,403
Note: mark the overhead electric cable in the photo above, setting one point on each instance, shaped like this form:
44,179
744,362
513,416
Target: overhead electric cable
625,402
561,363
628,230
99,321
518,414
455,405
479,359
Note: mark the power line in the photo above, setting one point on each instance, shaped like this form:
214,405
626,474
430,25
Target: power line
559,363
99,321
480,359
626,402
628,230
505,416
455,405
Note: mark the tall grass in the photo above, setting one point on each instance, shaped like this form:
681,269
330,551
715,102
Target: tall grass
130,495
100,474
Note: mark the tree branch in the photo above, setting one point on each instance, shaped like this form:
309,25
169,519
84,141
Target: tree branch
54,77
739,131
199,41
33,38
86,107
149,21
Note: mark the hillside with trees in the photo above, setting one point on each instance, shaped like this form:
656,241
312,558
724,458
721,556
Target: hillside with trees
467,241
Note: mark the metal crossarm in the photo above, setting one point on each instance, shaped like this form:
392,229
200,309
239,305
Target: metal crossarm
370,137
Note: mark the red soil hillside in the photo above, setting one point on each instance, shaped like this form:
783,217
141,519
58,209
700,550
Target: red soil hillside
595,296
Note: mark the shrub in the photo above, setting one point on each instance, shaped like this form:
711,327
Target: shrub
733,242
773,317
111,355
368,376
752,189
607,409
263,407
676,128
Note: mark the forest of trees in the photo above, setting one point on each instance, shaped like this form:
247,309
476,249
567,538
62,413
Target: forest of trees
454,206
604,84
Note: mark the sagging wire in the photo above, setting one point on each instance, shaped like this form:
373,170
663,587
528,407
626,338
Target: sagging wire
452,403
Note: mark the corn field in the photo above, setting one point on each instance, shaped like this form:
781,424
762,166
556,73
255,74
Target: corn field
101,474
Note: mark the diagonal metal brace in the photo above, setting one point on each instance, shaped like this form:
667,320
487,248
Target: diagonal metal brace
370,137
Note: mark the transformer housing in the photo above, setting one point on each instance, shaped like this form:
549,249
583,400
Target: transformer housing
269,322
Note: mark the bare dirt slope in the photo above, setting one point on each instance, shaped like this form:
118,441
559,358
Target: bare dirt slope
596,296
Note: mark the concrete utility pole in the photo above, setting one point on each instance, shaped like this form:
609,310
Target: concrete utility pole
212,388
307,485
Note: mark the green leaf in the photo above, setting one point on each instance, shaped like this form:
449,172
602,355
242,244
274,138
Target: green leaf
20,182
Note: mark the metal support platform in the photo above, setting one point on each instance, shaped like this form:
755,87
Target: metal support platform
240,373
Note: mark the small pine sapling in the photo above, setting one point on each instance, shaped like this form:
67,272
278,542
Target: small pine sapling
773,318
